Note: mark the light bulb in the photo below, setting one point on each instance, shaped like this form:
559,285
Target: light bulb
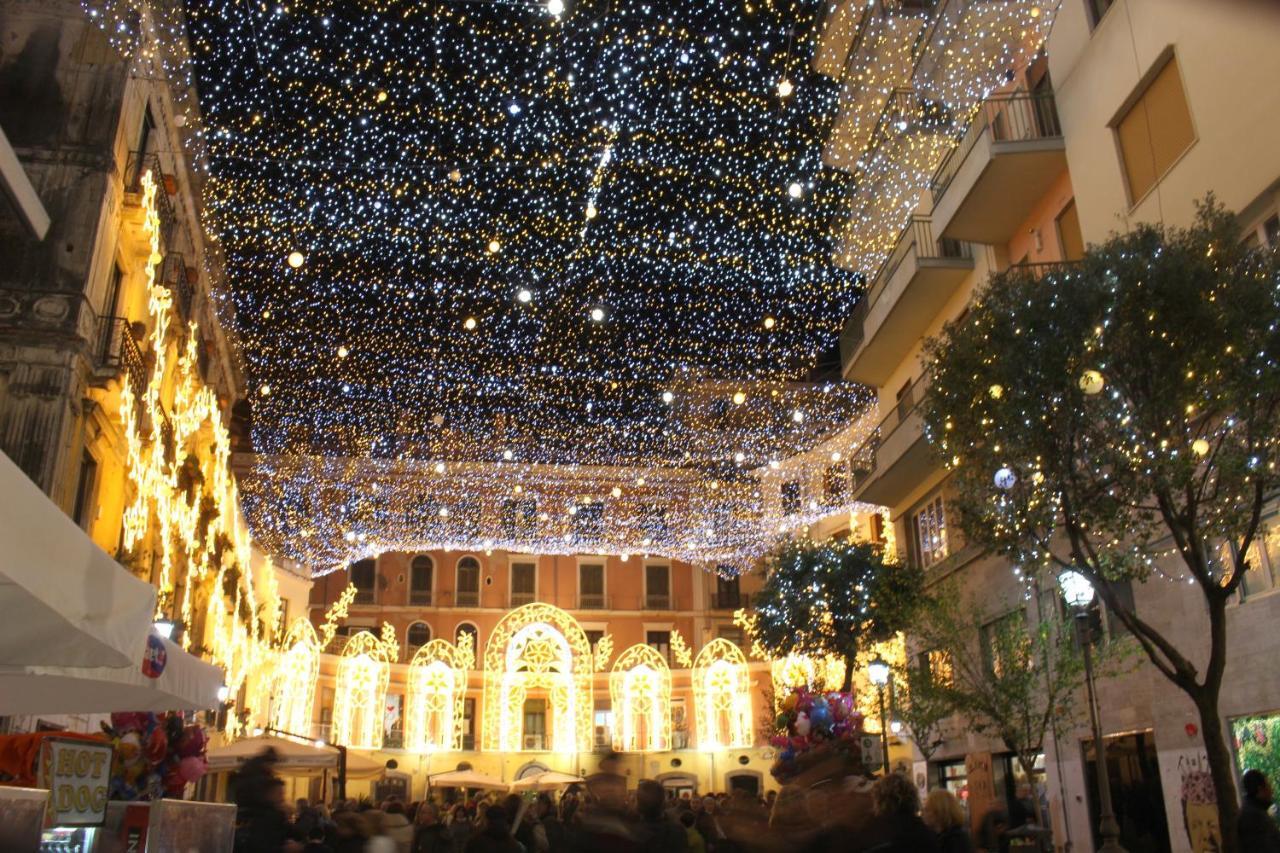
795,190
343,352
739,398
769,322
525,295
785,88
591,210
667,396
494,247
597,314
797,416
296,259
555,7
469,323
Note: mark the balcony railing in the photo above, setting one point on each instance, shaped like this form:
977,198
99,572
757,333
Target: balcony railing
420,596
864,461
178,277
117,349
730,600
519,599
1041,269
466,598
657,601
592,601
139,163
1018,117
363,596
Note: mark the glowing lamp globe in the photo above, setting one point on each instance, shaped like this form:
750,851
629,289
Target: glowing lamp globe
667,396
785,88
996,391
878,672
555,7
770,322
524,295
795,190
597,315
296,259
1200,447
1005,479
739,398
1076,588
1091,382
494,247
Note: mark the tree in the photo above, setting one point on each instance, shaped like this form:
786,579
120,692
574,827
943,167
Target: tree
831,598
1122,404
1014,679
923,701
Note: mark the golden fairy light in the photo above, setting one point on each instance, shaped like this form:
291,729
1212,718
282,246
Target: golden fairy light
722,696
640,694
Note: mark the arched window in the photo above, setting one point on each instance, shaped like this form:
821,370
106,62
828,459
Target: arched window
419,634
468,628
421,574
364,577
468,589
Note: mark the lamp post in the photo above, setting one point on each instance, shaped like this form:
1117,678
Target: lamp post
1078,592
878,672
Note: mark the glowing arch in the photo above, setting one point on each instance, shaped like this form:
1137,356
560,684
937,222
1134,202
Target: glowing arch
537,651
437,689
640,690
815,673
293,689
361,692
722,696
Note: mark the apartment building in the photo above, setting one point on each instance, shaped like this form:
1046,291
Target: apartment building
1130,112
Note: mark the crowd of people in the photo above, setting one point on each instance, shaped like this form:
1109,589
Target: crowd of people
850,814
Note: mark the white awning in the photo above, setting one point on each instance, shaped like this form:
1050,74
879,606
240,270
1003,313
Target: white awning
547,780
296,758
183,682
65,602
466,779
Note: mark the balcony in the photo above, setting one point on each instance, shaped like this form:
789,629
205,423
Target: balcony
905,296
180,279
420,597
466,598
592,601
895,459
729,600
140,162
657,601
519,599
1007,161
117,351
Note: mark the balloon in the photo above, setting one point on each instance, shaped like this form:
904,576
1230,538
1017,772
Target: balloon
157,746
820,715
192,768
790,702
194,740
802,724
124,722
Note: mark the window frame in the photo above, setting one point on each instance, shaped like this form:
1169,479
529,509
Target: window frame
409,643
373,588
1132,102
457,580
670,596
520,560
917,550
431,587
604,582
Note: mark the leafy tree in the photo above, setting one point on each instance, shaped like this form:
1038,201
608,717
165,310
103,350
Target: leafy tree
922,700
1136,400
1014,679
831,598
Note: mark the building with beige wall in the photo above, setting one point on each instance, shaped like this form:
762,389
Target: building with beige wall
1132,112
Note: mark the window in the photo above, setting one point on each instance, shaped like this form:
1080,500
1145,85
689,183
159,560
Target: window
421,574
905,400
1123,590
935,666
835,481
468,724
1097,8
519,516
593,637
468,594
535,723
1069,236
1263,560
929,533
83,513
145,133
468,628
728,594
877,529
524,577
790,493
109,335
733,634
660,640
364,575
657,586
1154,131
591,586
1000,640
602,725
588,521
419,635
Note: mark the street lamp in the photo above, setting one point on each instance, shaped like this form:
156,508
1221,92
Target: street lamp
1078,592
878,672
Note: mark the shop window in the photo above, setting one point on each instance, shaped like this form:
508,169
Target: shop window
929,533
1155,131
421,574
524,579
591,586
468,594
419,635
364,576
1138,797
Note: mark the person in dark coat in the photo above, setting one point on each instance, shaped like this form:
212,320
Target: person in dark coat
495,835
1258,831
429,834
897,827
656,832
942,814
262,826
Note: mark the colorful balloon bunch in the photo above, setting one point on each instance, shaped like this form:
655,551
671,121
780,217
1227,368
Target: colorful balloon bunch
154,756
812,727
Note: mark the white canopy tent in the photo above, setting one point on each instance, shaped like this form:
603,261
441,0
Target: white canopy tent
466,779
296,758
547,780
65,602
184,683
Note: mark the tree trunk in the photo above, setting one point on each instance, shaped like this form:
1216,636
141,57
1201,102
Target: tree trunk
1221,768
1028,767
846,686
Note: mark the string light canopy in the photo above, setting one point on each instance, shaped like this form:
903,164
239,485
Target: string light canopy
592,235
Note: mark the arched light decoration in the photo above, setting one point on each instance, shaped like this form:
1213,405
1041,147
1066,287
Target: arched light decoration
722,696
640,693
294,685
437,690
360,692
538,651
818,673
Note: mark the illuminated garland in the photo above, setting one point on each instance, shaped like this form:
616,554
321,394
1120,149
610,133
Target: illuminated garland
640,695
722,696
360,691
437,689
815,674
294,685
